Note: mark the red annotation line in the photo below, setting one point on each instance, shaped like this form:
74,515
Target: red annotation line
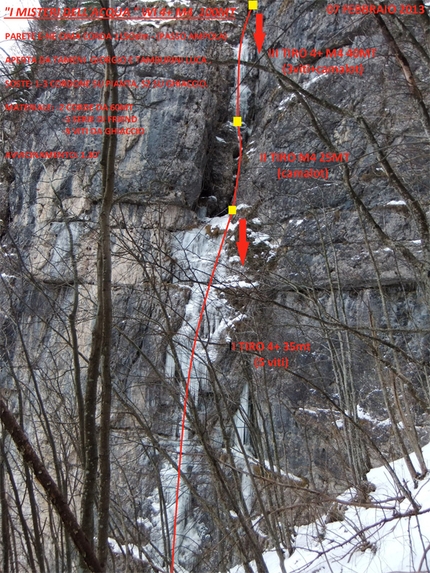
141,19
202,311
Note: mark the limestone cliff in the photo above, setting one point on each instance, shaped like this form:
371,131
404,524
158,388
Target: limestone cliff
334,187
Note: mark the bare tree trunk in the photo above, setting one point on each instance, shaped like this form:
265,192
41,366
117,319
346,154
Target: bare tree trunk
5,532
105,278
51,489
27,542
98,459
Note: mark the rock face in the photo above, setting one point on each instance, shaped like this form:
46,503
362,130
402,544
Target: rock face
334,186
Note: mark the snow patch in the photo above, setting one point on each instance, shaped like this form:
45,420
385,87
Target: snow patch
401,202
383,538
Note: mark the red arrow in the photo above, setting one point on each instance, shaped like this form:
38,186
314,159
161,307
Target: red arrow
259,34
242,243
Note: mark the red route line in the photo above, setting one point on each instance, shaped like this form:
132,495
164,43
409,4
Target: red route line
202,311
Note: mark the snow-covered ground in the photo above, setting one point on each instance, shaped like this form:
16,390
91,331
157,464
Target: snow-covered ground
388,537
